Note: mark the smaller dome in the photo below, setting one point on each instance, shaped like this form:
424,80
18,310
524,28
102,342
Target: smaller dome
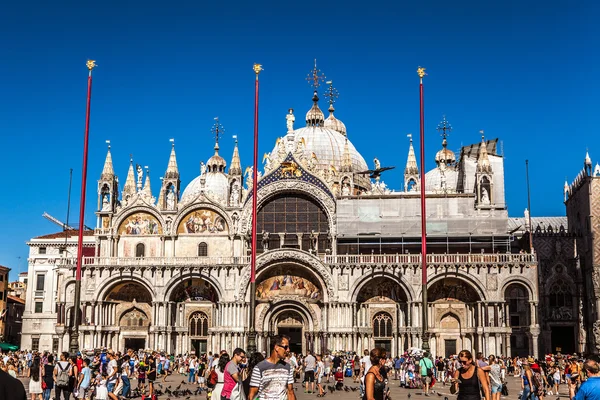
334,124
216,163
314,116
444,155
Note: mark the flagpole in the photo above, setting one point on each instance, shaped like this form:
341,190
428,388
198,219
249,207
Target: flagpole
424,322
252,328
75,314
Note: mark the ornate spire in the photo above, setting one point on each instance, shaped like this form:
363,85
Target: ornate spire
483,161
346,158
411,162
147,191
314,116
235,167
108,172
172,169
588,160
129,188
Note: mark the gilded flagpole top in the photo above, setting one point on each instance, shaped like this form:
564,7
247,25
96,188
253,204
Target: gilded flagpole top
257,68
421,72
91,64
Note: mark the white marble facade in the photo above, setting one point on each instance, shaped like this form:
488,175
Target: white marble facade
173,273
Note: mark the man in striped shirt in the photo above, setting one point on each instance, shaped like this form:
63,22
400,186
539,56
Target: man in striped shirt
272,378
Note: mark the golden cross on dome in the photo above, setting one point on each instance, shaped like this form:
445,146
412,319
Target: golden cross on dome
444,127
315,77
217,130
331,93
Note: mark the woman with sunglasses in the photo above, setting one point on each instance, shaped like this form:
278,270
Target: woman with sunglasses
468,378
374,381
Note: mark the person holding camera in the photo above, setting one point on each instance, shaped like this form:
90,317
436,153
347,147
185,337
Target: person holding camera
590,389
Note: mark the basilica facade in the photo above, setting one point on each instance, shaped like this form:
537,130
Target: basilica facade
338,263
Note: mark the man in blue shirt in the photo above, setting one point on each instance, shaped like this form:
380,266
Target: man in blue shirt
590,389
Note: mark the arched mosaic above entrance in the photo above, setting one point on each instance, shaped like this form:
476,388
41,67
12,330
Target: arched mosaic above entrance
203,221
381,289
129,292
287,281
140,224
287,285
452,289
195,289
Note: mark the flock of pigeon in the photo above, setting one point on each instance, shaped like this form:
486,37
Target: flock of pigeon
178,392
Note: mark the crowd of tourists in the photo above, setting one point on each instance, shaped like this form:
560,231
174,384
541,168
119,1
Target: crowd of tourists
108,375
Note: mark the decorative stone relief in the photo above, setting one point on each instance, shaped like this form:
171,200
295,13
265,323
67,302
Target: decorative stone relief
596,331
230,282
492,282
343,283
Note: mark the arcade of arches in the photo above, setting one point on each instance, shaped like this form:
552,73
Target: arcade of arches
290,301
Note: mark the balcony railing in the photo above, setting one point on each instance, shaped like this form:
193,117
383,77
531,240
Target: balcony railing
474,259
157,261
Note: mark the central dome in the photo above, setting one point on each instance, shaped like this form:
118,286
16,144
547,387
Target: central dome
328,146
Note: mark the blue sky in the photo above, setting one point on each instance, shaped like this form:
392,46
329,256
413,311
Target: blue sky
522,71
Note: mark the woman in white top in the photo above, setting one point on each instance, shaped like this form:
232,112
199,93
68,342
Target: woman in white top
219,369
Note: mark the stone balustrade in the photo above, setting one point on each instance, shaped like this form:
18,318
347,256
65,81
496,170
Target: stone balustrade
473,260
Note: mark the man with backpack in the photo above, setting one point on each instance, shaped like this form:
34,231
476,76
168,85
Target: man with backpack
62,377
426,367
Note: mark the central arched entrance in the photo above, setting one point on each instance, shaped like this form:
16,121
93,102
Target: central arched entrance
128,305
453,306
382,316
196,302
291,323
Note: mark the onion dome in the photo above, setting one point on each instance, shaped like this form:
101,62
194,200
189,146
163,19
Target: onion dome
216,163
314,116
445,155
333,123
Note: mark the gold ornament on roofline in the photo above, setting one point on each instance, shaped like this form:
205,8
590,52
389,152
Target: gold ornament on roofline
91,64
421,72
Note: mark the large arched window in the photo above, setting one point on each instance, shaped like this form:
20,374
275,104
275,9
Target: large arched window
199,324
292,214
140,250
203,250
560,294
518,305
382,325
